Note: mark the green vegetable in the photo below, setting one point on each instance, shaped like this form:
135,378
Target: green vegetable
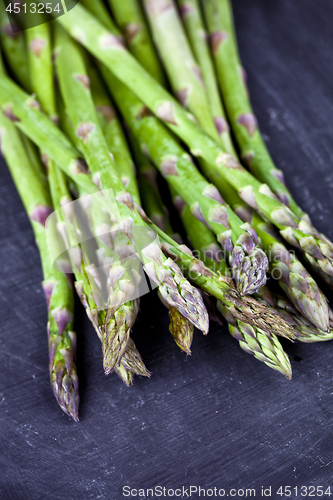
197,35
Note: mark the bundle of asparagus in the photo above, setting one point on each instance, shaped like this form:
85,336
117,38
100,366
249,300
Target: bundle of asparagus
232,219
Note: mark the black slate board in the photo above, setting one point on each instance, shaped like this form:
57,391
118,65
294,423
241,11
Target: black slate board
219,418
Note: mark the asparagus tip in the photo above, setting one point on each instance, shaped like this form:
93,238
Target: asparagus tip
182,330
66,392
248,270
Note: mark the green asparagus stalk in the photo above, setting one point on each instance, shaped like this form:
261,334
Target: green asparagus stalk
131,357
203,239
32,187
119,150
231,77
180,328
130,18
152,204
248,261
41,68
182,69
149,191
113,133
107,47
197,36
75,89
304,331
25,112
40,61
14,49
244,125
299,286
119,351
62,340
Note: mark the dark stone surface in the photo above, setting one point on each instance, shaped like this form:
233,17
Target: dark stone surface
219,418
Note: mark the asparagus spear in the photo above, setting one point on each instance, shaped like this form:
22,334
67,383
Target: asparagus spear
245,309
87,282
183,73
14,49
140,55
74,87
57,287
197,35
107,47
32,187
264,346
244,124
179,326
40,61
248,261
130,18
254,152
140,162
119,150
182,69
119,318
131,357
299,286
